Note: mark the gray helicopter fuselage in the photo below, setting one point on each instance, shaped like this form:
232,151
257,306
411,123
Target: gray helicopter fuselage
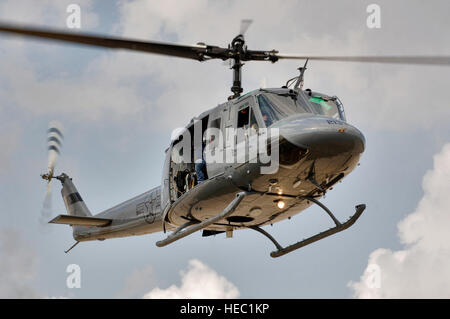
208,184
316,148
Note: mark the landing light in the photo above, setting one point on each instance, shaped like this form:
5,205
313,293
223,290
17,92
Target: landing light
281,204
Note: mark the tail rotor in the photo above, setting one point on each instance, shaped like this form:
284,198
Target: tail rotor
54,139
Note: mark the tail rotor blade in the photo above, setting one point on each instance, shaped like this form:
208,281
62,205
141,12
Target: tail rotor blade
54,140
46,211
54,144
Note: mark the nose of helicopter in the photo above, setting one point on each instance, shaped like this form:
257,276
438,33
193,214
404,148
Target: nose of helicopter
323,136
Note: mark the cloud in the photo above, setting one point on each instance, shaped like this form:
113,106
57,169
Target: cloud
18,266
422,269
199,281
137,283
9,141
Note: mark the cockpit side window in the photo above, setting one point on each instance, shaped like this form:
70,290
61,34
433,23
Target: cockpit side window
243,118
267,112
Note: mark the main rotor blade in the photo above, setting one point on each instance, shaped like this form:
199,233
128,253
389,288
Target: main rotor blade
199,52
430,60
245,24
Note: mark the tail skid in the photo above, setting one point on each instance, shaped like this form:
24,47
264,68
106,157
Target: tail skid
71,247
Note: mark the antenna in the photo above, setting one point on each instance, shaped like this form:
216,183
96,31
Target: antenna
299,84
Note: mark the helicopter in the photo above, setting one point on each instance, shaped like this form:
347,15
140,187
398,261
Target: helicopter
255,160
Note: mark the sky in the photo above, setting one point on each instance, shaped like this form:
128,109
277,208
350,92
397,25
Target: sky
119,108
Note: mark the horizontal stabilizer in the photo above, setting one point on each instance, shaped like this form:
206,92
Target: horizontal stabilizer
80,221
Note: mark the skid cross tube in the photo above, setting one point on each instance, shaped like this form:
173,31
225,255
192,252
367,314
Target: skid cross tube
325,208
338,228
178,233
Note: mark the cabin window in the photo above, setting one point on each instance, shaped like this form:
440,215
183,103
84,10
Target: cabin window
177,151
214,124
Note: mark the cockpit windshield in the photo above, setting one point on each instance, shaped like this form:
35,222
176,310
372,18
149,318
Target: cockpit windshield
274,107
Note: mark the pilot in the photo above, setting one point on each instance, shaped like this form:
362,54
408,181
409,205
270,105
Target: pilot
266,119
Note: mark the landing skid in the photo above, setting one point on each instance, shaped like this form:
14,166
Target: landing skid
338,228
192,226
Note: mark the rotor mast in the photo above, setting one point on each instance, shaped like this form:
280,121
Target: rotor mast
237,47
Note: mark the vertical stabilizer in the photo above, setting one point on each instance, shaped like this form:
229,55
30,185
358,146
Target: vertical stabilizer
74,203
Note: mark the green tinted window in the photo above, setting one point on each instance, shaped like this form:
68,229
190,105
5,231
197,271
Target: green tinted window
324,106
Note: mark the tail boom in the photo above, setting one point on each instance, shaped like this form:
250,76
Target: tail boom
137,216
